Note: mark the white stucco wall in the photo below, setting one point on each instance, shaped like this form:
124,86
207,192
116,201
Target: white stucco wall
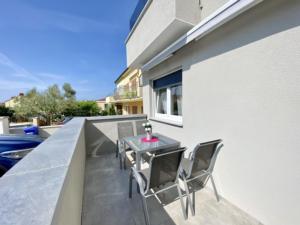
4,125
162,21
47,131
209,6
241,83
161,13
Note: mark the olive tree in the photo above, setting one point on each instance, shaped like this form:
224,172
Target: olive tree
48,105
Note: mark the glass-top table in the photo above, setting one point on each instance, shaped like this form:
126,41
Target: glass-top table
139,147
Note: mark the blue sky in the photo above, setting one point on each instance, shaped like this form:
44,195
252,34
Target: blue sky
44,42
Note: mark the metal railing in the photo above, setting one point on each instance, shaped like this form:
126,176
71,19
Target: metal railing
125,92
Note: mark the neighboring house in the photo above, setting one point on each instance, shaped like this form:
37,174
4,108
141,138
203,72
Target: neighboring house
11,103
127,97
228,69
101,103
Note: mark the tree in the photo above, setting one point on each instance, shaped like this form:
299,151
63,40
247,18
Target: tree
103,113
47,105
6,111
32,93
87,108
28,105
70,93
70,105
109,110
51,104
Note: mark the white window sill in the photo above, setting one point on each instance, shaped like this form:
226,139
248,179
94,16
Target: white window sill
166,121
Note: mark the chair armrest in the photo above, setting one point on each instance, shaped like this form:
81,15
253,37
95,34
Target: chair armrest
185,167
190,155
139,180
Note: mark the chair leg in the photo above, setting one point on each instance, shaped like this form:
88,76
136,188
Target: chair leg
189,196
124,163
145,210
117,149
194,197
120,158
181,202
214,187
130,184
186,207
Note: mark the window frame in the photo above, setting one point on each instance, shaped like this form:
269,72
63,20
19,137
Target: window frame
168,117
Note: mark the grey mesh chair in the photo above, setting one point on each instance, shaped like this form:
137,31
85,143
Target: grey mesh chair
200,165
163,169
125,129
139,127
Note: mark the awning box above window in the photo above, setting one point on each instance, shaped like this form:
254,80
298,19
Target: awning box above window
173,78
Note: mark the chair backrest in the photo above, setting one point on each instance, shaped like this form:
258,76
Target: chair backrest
125,129
204,157
164,167
139,127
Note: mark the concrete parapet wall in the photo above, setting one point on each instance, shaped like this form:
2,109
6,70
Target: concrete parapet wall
101,132
46,187
44,131
47,131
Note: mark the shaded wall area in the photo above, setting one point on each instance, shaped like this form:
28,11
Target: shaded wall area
44,131
101,132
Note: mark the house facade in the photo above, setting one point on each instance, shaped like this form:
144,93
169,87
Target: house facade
13,101
101,103
228,69
127,97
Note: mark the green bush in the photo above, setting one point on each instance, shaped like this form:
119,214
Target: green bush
6,111
87,108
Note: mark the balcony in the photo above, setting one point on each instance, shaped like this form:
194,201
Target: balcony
74,178
127,93
159,24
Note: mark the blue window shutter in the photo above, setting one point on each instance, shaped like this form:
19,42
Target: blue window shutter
173,78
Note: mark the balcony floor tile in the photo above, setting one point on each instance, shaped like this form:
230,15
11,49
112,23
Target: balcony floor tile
106,201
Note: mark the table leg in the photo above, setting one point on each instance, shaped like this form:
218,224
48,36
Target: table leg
138,161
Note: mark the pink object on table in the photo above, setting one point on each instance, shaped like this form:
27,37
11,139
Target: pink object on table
154,139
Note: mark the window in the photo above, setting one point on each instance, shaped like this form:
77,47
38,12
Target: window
176,100
134,110
168,97
162,101
119,109
126,110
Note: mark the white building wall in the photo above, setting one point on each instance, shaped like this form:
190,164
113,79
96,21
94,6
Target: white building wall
4,125
209,6
241,83
160,14
163,20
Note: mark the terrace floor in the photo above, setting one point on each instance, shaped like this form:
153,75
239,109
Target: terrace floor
106,200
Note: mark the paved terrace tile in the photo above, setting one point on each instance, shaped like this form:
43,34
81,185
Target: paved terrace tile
106,200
